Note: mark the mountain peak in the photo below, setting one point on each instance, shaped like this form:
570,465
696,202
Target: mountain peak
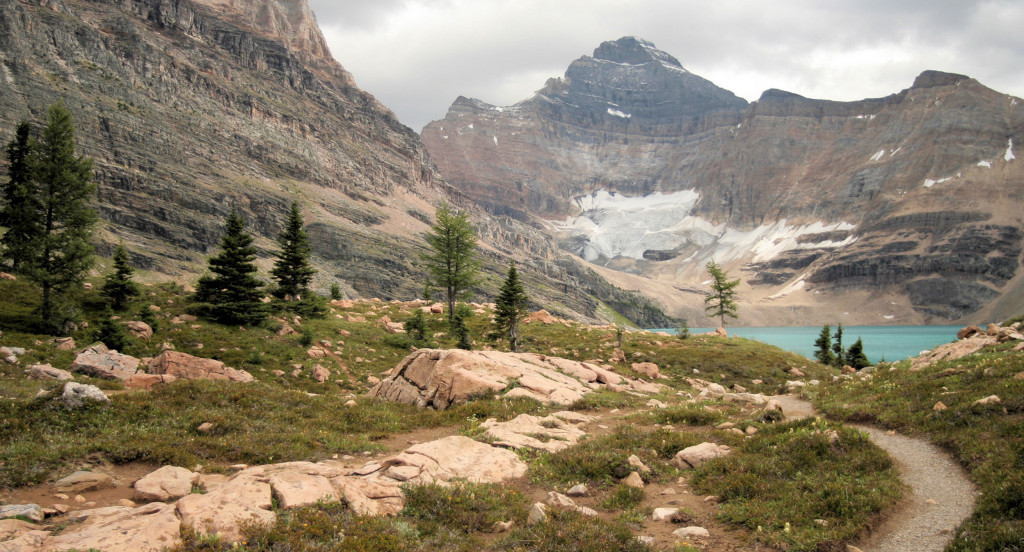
634,51
930,78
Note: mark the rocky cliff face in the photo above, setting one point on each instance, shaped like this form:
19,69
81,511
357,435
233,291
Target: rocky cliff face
190,108
915,199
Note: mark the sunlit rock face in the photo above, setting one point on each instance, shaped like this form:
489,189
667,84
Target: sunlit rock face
634,163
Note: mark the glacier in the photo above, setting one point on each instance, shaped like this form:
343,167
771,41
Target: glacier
611,225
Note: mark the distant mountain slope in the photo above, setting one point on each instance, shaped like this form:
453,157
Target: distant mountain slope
908,208
190,108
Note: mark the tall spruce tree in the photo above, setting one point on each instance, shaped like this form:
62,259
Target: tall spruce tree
722,300
60,255
837,348
823,347
118,286
292,269
510,307
233,292
452,260
20,213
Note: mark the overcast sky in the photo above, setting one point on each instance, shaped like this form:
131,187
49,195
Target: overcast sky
417,56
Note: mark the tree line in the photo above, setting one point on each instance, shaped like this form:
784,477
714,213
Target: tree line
48,240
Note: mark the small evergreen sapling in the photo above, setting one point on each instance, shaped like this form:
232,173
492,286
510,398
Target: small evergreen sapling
118,287
510,308
855,357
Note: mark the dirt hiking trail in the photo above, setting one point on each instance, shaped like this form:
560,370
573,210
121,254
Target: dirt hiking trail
941,496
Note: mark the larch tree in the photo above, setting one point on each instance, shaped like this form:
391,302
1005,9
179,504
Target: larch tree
61,253
452,260
722,300
118,286
20,213
233,292
292,269
509,309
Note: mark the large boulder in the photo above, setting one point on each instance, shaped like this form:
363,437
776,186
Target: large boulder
47,372
166,484
139,329
691,457
99,362
78,395
439,378
185,366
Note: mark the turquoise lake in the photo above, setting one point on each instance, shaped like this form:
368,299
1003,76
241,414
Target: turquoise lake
890,343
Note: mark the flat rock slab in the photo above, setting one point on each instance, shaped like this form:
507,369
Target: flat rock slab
439,378
83,481
551,433
114,529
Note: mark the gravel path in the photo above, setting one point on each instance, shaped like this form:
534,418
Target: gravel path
941,495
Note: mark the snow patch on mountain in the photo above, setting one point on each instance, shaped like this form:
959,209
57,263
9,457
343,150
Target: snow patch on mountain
612,225
1009,156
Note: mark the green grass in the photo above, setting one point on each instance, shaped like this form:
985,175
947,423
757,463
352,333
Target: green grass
988,441
291,417
793,474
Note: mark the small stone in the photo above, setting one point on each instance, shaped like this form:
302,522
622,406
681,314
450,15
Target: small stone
711,498
634,480
930,502
558,499
649,541
126,503
891,432
61,508
503,526
939,407
537,514
83,481
80,499
635,461
206,427
577,490
589,512
692,533
350,403
664,514
61,496
751,430
991,399
668,491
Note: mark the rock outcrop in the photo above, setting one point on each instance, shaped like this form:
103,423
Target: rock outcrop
971,339
247,496
184,366
439,378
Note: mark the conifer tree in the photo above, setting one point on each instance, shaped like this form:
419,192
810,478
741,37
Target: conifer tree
292,269
118,287
460,330
20,213
111,333
837,348
61,253
233,292
510,307
823,347
722,300
416,327
452,260
855,356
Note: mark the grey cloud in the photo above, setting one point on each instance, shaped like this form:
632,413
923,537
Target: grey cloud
416,56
